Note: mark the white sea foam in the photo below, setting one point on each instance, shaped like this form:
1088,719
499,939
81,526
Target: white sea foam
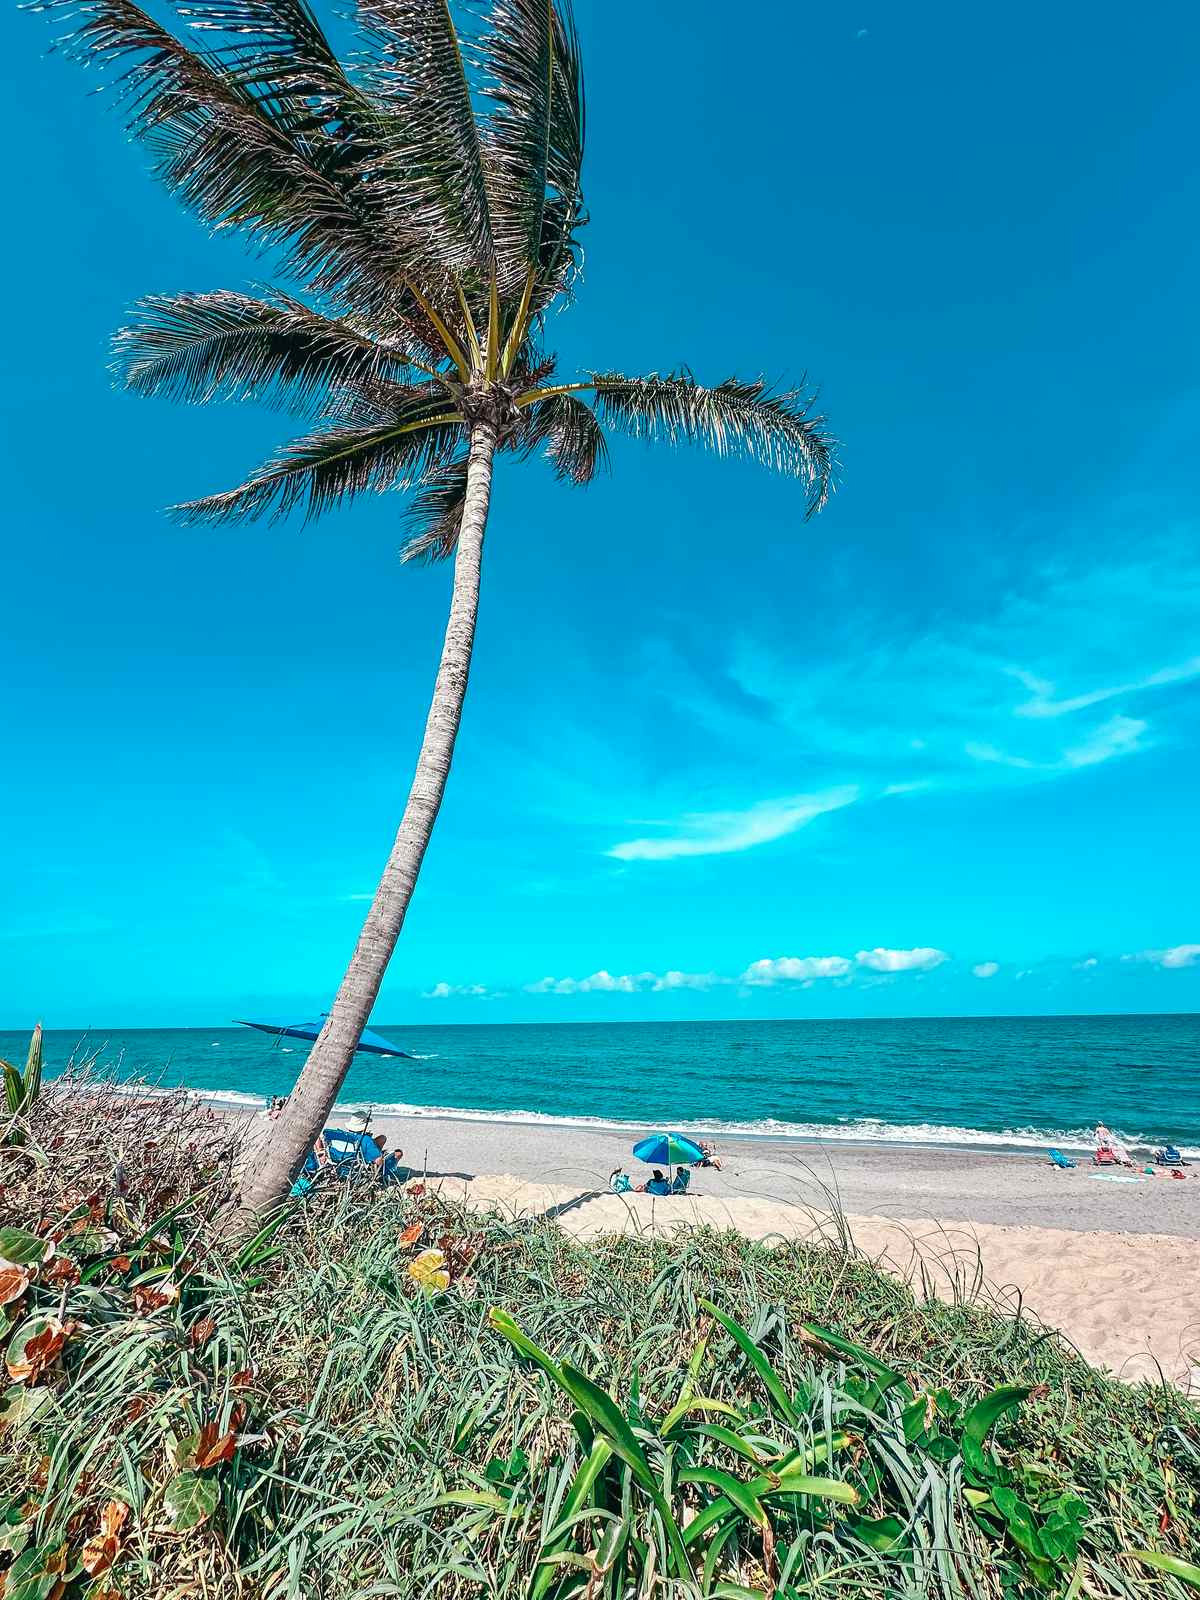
863,1131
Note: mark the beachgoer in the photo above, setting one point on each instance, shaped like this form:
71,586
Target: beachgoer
619,1181
657,1184
710,1157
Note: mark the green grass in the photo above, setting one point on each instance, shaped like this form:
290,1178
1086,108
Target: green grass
391,1442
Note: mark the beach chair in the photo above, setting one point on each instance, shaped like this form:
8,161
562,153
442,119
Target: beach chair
1168,1156
1105,1158
1060,1160
682,1178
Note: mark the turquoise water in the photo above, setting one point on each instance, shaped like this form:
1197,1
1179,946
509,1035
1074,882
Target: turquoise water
998,1081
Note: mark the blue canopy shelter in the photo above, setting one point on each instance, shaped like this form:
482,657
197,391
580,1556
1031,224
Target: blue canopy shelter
372,1043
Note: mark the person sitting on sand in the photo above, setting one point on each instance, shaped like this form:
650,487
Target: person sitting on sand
710,1157
619,1181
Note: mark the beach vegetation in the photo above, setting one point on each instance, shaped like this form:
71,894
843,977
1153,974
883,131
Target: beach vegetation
422,198
22,1087
698,1415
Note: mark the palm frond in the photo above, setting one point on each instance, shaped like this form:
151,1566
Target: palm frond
201,347
430,175
573,437
435,512
533,138
734,418
238,146
374,443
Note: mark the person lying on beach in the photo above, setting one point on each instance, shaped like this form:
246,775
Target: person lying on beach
711,1158
619,1181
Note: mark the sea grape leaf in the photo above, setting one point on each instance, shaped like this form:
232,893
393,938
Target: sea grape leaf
19,1405
20,1248
189,1500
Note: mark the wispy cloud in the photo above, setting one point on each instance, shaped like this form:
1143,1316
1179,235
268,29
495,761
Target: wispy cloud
1119,736
1044,703
985,969
460,991
723,832
1179,955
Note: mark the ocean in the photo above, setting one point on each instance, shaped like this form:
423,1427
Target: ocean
1000,1081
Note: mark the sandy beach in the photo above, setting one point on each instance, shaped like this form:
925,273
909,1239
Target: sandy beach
1114,1266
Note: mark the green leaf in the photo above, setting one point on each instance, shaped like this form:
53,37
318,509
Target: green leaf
877,1533
19,1405
14,1536
190,1500
802,1483
1183,1570
735,1491
982,1417
606,1415
764,1369
1019,1517
732,1441
22,1249
915,1419
577,1497
699,1402
33,1068
28,1578
504,1325
886,1377
14,1088
784,1479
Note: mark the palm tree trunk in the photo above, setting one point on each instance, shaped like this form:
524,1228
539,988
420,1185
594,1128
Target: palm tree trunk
279,1158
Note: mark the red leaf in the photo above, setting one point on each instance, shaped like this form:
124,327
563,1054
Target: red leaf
213,1447
202,1332
411,1234
13,1283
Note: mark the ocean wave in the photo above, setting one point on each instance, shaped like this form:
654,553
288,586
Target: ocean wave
861,1131
849,1131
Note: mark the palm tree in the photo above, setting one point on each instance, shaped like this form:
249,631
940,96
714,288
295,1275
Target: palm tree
424,195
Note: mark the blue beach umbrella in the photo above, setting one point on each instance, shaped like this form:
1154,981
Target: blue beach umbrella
667,1150
372,1043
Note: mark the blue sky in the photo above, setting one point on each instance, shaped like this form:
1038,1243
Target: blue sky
935,752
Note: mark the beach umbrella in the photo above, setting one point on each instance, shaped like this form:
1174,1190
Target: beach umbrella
667,1150
373,1043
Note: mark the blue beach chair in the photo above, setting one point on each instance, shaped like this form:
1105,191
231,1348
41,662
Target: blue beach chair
347,1152
1060,1160
1168,1156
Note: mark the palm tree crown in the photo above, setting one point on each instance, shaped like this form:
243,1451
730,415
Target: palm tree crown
424,195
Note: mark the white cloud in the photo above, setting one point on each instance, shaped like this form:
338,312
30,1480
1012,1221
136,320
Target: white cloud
1086,964
1179,955
1044,704
454,991
688,980
1119,736
923,959
794,969
985,969
604,982
721,832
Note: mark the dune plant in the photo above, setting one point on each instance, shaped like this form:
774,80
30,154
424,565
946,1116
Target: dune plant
424,198
704,1414
21,1088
